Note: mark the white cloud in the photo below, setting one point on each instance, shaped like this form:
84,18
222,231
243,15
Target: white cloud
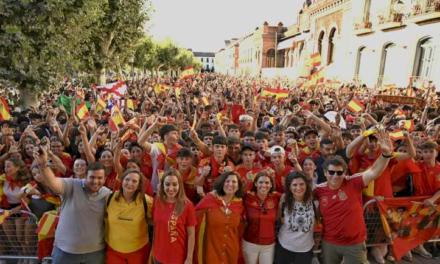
203,25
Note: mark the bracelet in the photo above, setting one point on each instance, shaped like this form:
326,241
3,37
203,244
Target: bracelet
387,156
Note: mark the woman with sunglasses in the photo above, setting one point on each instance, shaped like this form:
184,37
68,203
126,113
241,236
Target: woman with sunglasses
261,207
297,217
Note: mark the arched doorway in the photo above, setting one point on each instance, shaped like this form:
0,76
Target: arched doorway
320,39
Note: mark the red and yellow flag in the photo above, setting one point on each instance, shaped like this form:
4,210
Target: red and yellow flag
408,125
160,88
315,59
116,119
82,111
5,113
355,106
3,215
47,225
316,77
396,135
130,104
187,73
277,92
100,104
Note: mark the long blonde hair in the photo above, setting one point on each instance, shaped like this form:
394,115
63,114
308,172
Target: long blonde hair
181,197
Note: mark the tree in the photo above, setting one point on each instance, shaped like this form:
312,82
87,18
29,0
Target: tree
145,56
116,34
41,41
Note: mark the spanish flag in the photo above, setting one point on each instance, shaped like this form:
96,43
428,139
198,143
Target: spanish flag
205,101
4,110
116,119
3,215
187,73
100,104
177,90
355,106
315,59
316,77
130,104
160,88
409,125
82,111
278,93
396,135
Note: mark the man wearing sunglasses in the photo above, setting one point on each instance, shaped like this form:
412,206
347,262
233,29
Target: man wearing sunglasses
340,204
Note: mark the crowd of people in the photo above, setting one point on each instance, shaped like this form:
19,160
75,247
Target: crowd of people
207,170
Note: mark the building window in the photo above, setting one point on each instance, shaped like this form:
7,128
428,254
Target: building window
331,46
425,57
201,59
360,53
320,38
384,64
270,58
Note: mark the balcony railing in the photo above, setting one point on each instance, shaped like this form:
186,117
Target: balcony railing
424,10
363,27
390,21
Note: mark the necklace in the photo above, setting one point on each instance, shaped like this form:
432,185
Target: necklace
226,208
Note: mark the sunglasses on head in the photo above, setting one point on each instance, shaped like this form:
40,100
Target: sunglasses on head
332,172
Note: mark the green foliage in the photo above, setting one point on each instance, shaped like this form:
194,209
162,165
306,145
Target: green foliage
43,41
164,56
40,41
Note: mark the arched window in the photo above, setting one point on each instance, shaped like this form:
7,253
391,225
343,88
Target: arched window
320,38
331,46
384,66
425,57
270,58
360,52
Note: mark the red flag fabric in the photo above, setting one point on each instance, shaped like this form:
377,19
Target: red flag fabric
236,111
408,223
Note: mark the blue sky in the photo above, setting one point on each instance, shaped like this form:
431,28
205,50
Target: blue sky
203,25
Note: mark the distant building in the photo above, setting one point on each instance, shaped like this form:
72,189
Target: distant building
207,59
371,42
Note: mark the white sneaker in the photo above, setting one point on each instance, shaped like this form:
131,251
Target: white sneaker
420,250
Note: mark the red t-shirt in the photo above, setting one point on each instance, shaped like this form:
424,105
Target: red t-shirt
260,217
247,182
280,178
262,160
427,182
170,235
342,213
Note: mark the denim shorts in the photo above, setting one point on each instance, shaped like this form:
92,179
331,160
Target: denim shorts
61,257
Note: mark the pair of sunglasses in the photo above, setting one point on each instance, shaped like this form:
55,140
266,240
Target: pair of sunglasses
332,172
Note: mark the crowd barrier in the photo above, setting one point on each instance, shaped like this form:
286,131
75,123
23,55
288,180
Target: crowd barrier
18,237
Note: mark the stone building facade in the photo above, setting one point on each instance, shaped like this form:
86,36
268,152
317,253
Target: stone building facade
369,41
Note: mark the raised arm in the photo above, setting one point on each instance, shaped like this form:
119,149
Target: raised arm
354,145
87,149
382,162
53,183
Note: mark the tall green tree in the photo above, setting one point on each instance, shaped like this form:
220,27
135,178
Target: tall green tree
116,34
41,41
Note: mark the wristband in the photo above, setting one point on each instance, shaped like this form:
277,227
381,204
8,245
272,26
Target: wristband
369,132
387,156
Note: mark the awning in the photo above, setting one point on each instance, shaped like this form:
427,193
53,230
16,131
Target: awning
285,44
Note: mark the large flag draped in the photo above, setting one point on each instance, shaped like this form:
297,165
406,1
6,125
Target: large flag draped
408,223
277,92
4,110
187,73
115,89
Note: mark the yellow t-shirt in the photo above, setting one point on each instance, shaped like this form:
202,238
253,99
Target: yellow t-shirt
126,229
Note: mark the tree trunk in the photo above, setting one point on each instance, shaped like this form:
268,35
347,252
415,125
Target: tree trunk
100,76
27,98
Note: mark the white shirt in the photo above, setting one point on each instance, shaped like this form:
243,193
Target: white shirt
296,232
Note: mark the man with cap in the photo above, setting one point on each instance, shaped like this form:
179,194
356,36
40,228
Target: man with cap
163,154
247,168
279,167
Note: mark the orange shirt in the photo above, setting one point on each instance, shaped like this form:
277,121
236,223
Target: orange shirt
221,237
